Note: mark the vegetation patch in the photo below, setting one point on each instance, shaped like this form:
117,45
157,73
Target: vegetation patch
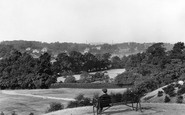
86,85
55,106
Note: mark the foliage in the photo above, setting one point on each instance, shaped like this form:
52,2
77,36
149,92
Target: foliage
21,70
80,100
166,99
127,77
54,106
181,90
116,97
170,90
78,62
160,93
86,85
180,99
85,77
70,79
31,113
13,113
100,76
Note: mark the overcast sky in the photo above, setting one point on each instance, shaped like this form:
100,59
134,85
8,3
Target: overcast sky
93,20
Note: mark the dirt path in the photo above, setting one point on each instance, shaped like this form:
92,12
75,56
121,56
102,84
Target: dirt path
38,96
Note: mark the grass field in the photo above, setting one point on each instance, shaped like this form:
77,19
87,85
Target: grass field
26,104
147,109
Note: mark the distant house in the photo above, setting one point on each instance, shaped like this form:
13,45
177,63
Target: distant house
35,51
98,47
86,50
44,49
28,49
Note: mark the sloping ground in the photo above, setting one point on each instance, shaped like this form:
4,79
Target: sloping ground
37,101
148,109
152,96
39,96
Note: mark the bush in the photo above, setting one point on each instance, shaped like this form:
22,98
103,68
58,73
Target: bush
181,90
86,85
54,106
72,104
160,93
80,100
13,113
166,99
180,99
70,79
31,114
116,97
170,90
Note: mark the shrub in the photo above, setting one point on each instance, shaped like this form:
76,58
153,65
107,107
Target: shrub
170,90
180,99
181,90
70,79
31,113
166,99
86,85
80,100
13,113
116,97
54,106
72,104
160,93
79,97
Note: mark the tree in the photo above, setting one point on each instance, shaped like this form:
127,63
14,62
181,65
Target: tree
76,60
177,51
89,62
63,64
116,62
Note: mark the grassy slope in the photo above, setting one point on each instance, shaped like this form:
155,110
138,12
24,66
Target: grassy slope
153,98
148,109
26,104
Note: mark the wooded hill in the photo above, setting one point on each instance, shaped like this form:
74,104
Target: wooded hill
36,48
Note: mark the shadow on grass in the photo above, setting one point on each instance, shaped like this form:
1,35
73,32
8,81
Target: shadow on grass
144,111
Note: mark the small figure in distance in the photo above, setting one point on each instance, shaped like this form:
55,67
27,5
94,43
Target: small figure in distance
104,100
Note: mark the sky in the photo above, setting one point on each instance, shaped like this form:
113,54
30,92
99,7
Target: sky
93,21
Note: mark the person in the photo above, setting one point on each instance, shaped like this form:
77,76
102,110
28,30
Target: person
102,98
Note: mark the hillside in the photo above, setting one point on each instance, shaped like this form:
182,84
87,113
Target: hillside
148,109
174,92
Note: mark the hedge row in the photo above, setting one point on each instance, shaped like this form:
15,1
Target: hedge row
88,85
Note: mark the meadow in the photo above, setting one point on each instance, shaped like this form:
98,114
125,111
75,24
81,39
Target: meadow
24,102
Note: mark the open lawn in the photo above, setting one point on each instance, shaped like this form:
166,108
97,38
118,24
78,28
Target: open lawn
25,102
147,109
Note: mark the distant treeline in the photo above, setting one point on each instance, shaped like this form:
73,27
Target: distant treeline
120,49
